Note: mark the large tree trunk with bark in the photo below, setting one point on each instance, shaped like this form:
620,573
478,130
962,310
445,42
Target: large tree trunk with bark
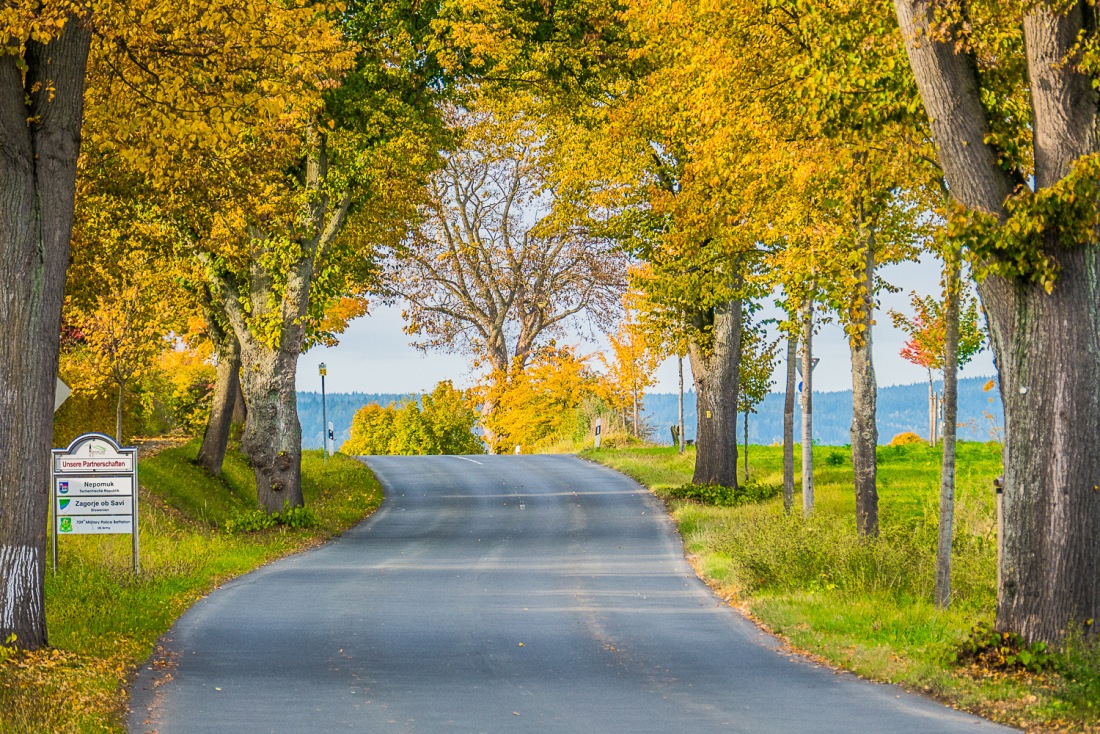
41,109
272,438
788,423
1048,357
227,392
1047,346
950,418
864,399
716,370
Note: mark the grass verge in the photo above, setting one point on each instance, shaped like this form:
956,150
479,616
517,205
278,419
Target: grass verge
103,620
866,604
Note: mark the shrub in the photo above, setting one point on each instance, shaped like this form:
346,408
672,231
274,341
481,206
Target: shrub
297,517
252,521
8,649
906,439
835,458
716,494
992,650
441,422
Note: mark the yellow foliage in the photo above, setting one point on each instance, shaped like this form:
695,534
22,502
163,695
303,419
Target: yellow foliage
905,439
440,423
538,403
631,370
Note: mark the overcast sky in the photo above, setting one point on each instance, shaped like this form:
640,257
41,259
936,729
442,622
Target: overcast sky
374,355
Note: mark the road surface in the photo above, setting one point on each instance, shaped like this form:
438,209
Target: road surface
498,594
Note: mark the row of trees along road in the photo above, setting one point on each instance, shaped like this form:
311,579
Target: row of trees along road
744,149
256,150
273,153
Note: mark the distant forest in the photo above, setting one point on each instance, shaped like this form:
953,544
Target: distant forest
900,408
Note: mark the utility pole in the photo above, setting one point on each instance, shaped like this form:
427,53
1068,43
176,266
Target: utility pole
324,414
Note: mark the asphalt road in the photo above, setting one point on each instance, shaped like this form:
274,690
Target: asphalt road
498,594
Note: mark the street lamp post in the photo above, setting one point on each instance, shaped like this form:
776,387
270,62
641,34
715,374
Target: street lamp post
324,415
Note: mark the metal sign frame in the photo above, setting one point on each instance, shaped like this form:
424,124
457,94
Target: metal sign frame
97,478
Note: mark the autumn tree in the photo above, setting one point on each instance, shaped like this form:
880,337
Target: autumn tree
288,189
927,343
121,294
943,335
539,403
1010,97
630,371
493,270
41,109
440,422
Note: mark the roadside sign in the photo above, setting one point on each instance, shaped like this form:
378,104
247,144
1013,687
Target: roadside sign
74,486
813,363
95,506
95,491
108,525
93,454
61,393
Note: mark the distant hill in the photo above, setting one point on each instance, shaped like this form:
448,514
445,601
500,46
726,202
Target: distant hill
900,408
341,407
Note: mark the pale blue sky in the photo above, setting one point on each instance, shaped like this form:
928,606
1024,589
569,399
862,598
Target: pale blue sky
374,354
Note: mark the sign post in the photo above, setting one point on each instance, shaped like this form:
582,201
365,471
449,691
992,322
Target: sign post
94,490
324,415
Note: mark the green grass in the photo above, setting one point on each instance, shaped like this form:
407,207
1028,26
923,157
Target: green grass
866,604
103,620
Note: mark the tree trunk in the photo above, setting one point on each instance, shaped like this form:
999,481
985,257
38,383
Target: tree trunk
746,445
716,371
1046,346
227,399
950,415
272,438
240,410
634,405
41,108
227,393
864,398
680,404
788,424
118,411
807,410
931,410
488,405
1048,356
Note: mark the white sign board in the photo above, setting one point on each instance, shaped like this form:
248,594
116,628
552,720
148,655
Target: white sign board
94,454
105,525
79,486
94,490
94,506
